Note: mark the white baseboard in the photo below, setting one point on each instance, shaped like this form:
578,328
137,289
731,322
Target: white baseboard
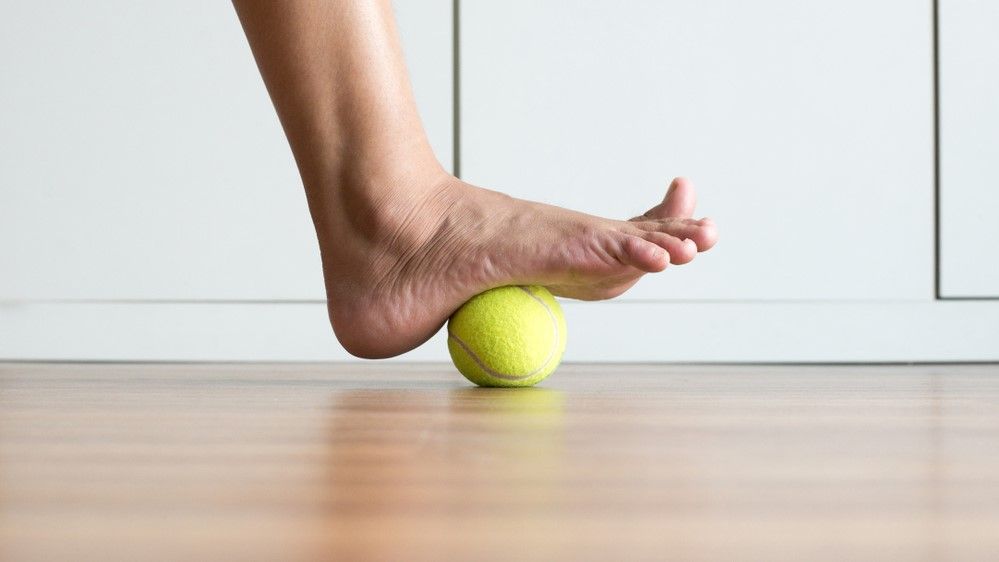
599,332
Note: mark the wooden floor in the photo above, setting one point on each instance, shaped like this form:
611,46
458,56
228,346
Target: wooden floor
389,462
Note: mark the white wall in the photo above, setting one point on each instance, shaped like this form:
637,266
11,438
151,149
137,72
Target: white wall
813,153
143,160
150,208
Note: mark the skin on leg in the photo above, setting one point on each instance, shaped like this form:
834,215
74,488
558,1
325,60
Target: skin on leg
403,242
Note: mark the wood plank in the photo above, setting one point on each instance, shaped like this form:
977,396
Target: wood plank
397,461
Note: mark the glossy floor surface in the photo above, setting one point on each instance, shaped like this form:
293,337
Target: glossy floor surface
387,461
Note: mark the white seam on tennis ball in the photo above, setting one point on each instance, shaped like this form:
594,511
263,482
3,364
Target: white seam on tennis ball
499,375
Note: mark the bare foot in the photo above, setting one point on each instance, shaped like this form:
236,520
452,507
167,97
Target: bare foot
398,265
403,242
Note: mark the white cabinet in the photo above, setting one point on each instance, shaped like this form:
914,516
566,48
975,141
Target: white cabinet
142,158
808,127
969,148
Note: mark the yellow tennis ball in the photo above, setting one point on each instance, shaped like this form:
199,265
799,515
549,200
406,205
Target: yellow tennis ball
508,336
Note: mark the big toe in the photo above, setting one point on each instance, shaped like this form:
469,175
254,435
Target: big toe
679,202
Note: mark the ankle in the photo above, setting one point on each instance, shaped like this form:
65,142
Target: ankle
373,180
359,184
385,204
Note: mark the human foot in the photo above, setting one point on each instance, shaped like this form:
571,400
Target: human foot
404,243
396,267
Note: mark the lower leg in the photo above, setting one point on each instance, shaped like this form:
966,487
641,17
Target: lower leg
335,72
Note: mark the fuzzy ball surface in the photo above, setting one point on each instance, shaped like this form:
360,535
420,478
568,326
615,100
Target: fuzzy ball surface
508,336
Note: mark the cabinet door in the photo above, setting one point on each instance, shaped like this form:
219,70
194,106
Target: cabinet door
807,127
969,148
142,158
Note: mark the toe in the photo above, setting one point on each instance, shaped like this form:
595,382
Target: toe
679,202
680,251
707,235
680,199
643,255
703,232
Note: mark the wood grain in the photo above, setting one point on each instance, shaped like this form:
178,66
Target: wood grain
390,461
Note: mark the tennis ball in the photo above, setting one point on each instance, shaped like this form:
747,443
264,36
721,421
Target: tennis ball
508,336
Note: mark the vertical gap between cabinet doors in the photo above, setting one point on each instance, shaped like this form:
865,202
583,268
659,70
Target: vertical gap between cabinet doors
936,150
456,88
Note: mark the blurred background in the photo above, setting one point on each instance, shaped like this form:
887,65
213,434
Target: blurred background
150,208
